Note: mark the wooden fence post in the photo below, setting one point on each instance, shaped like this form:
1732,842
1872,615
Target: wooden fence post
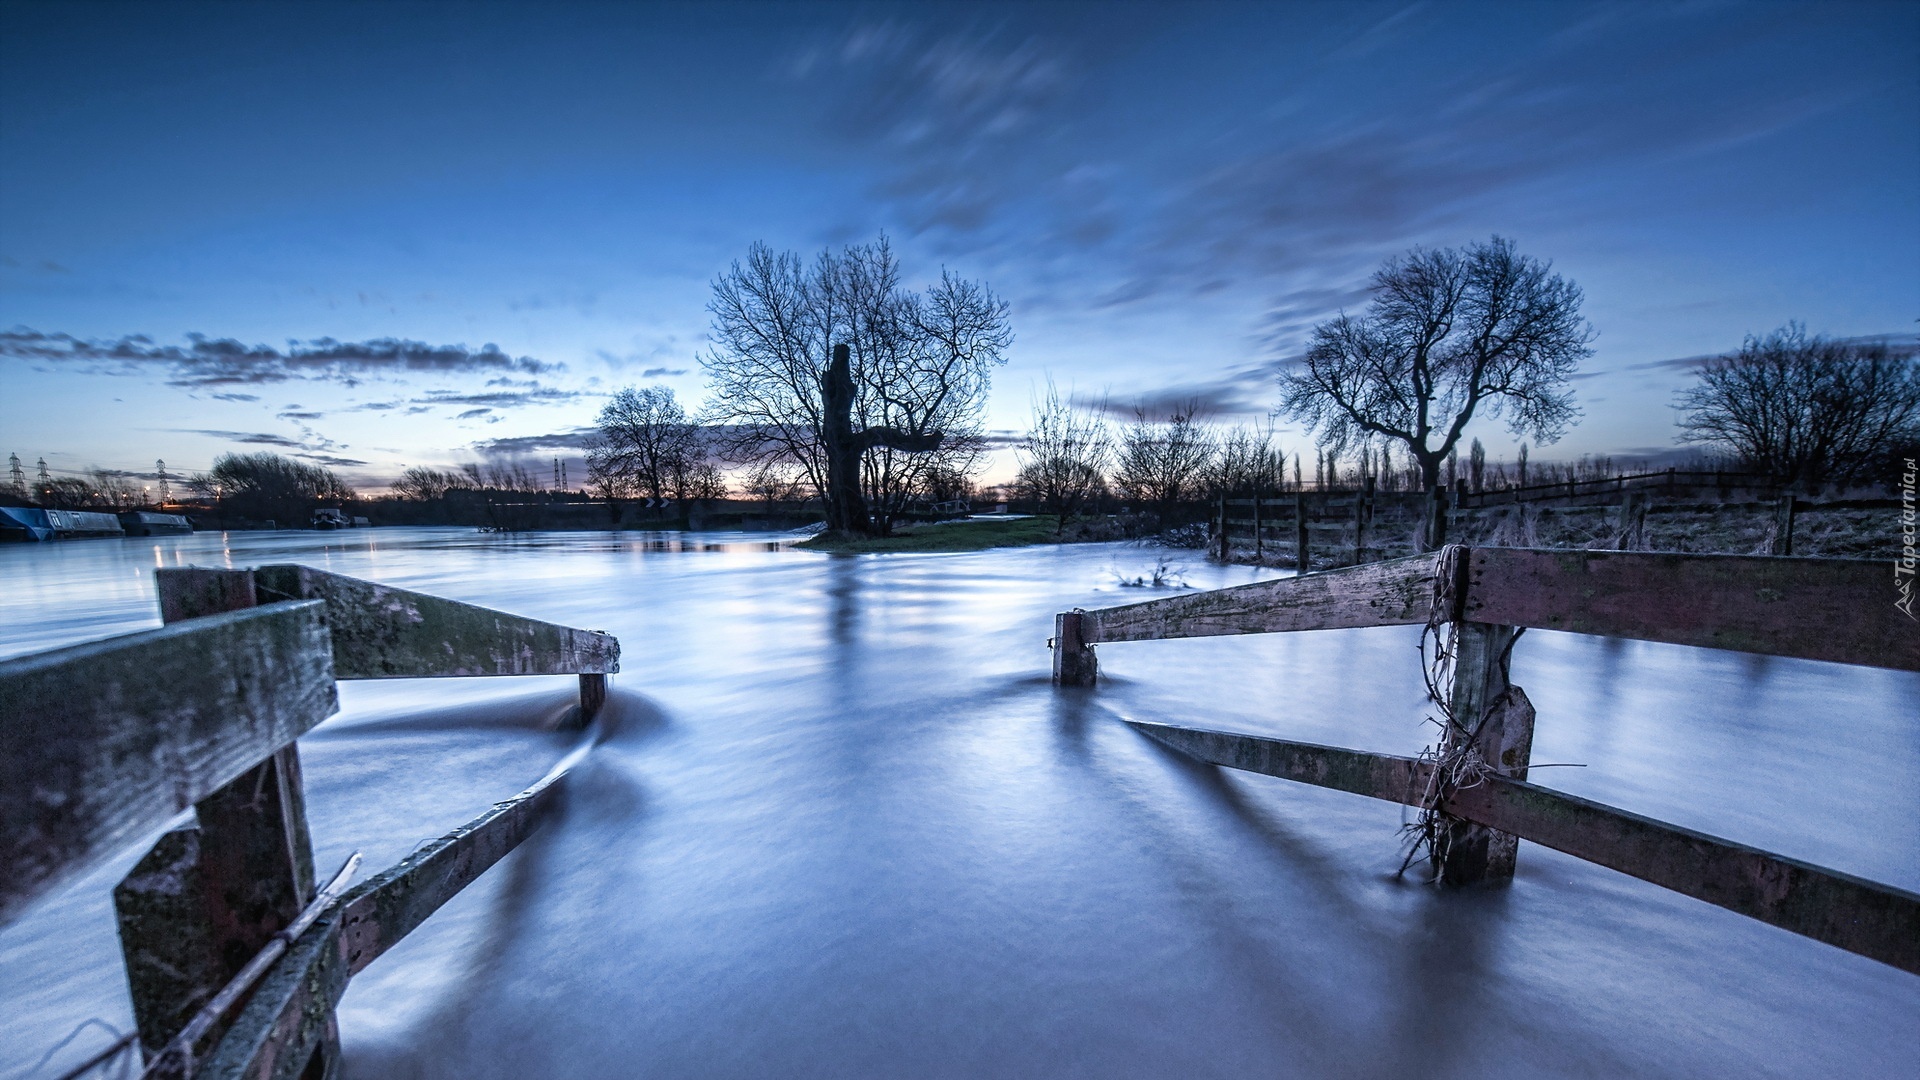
1259,533
1362,511
1220,534
593,696
1302,561
1436,526
1494,717
1633,521
209,896
1783,515
1073,661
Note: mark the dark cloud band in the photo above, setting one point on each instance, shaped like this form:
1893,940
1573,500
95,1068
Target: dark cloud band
208,362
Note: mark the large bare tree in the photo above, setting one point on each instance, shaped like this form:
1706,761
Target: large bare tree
1808,410
838,369
1450,335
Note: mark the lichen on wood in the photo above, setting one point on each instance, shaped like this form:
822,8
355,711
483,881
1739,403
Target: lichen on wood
382,632
107,740
1394,593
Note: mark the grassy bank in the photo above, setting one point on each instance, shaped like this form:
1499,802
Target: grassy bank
946,536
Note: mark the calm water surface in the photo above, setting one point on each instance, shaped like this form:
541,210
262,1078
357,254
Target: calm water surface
843,827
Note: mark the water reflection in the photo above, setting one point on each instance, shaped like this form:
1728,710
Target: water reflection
842,825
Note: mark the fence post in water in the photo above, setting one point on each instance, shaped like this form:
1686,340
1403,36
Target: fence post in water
1073,661
1490,715
209,896
593,696
1783,514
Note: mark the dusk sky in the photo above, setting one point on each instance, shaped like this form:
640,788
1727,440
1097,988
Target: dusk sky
1168,196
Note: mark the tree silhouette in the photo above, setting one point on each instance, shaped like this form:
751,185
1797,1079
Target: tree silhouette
838,369
1808,410
1449,335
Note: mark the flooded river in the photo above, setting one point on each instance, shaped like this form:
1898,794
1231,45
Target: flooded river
842,826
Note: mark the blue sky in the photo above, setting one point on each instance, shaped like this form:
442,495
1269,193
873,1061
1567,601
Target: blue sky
1170,196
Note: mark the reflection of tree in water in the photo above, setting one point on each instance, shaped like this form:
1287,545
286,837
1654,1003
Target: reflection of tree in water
843,599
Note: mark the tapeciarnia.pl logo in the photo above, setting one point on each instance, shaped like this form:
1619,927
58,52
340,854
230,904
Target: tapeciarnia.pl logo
1909,560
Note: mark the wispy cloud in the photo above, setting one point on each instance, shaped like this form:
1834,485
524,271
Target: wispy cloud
251,438
1242,391
998,141
944,109
205,361
574,439
501,399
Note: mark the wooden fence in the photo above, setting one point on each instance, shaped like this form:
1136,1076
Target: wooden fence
1340,524
1669,482
105,741
1342,519
1837,610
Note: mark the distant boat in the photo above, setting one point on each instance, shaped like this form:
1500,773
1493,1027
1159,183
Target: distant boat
150,523
32,523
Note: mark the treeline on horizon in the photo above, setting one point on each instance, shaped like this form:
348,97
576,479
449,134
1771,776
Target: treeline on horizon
831,384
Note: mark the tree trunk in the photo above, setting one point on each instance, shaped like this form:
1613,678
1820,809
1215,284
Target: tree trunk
1433,526
846,507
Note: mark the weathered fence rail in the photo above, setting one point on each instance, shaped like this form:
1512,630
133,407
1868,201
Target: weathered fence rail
1818,609
104,742
1855,914
107,740
1667,481
1297,517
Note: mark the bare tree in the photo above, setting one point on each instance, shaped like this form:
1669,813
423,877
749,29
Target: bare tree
839,370
1063,458
1449,335
1162,462
606,480
115,489
1247,457
426,485
697,479
942,485
773,482
68,493
1808,410
510,477
267,485
645,435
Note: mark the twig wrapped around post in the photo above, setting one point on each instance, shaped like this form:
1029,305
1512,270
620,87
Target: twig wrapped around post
1486,726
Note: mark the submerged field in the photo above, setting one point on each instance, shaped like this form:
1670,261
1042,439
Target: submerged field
842,826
